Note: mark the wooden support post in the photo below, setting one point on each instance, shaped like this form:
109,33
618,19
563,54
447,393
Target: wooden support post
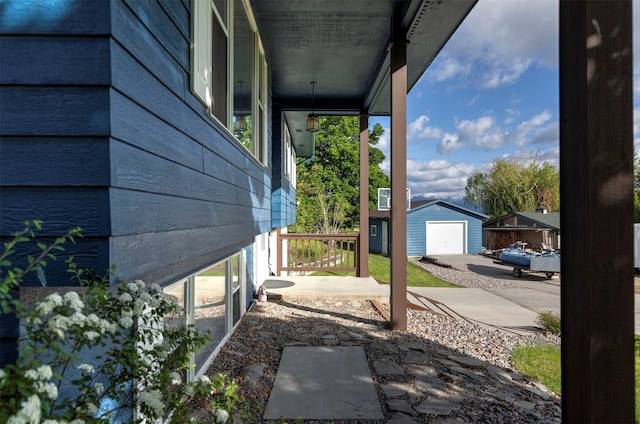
596,179
398,186
363,251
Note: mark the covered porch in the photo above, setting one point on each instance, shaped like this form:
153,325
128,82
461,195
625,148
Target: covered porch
349,58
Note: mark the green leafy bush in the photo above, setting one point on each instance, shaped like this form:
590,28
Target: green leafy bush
549,322
97,353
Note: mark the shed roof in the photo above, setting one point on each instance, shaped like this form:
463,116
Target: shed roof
550,220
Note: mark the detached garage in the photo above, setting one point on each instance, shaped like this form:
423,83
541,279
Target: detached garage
434,227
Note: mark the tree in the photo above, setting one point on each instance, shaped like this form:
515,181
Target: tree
328,186
636,186
512,185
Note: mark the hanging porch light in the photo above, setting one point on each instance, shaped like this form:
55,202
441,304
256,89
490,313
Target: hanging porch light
241,120
312,120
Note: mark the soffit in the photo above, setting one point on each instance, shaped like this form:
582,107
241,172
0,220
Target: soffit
343,46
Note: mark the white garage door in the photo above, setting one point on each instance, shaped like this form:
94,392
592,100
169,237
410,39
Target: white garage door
446,238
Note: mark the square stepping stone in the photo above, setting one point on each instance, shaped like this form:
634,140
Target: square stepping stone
323,383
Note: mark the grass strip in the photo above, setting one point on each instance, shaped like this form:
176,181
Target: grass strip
379,268
541,363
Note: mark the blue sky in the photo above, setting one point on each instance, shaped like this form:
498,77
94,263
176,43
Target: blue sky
491,93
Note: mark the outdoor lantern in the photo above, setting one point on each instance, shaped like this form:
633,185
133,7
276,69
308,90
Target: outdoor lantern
312,123
241,120
241,123
312,120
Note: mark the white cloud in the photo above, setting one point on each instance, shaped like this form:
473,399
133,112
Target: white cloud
547,135
504,74
499,41
484,134
449,144
636,38
636,128
419,130
449,68
525,128
511,116
551,155
479,134
438,178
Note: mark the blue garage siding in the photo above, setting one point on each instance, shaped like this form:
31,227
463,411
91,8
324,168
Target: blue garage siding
440,211
437,211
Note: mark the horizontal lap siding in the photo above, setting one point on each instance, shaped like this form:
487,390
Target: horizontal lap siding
475,236
56,17
54,161
54,126
184,193
416,228
283,193
375,242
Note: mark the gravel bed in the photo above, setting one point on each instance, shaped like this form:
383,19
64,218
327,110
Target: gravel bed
466,279
254,350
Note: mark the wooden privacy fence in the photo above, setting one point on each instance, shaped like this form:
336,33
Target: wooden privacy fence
318,252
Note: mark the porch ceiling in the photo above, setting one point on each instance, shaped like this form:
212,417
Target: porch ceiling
343,46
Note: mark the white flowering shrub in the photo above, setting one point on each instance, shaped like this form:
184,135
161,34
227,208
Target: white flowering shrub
97,354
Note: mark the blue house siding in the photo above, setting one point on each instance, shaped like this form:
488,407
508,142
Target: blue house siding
54,127
111,139
100,130
283,194
203,195
54,122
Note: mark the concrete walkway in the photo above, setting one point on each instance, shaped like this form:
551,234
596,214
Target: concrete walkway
476,305
337,288
324,383
331,383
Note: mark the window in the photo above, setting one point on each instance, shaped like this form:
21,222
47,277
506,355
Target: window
288,156
373,231
213,300
229,73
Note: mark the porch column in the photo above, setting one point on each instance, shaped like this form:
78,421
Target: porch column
596,183
363,252
398,185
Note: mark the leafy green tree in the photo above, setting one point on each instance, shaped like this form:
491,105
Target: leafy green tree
636,186
636,170
512,185
328,186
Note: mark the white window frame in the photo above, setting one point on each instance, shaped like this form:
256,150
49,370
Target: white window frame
373,230
202,14
288,155
189,287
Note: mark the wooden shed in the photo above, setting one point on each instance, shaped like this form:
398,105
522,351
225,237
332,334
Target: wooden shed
540,229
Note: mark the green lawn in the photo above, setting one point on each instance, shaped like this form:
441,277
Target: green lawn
637,378
379,267
543,364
